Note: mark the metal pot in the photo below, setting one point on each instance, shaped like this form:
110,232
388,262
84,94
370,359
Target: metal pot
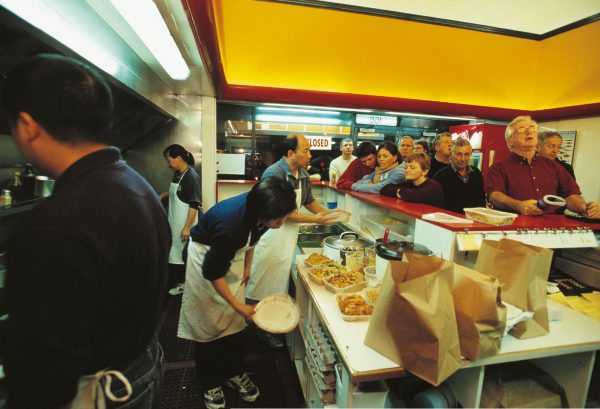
394,250
43,186
336,247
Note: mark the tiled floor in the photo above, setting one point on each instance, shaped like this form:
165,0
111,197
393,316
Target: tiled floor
272,371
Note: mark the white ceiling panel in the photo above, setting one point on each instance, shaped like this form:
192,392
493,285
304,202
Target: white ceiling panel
530,16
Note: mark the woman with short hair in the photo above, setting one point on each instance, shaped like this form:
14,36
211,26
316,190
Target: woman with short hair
417,188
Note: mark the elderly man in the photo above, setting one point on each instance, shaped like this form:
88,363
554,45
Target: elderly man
519,181
441,147
367,160
341,163
406,147
549,144
461,182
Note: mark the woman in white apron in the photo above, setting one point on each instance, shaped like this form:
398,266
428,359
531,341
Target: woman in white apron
184,201
213,313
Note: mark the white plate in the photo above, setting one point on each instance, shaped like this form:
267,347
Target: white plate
277,314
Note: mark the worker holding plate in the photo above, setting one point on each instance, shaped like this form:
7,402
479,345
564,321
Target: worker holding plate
213,313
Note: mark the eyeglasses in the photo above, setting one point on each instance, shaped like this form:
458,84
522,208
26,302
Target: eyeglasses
523,129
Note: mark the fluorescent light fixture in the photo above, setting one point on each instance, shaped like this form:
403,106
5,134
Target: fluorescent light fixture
145,19
46,18
298,119
320,108
304,111
456,118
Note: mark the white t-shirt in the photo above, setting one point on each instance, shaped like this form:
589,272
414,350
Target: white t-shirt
339,166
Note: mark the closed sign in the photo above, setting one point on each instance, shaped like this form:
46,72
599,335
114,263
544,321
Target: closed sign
319,143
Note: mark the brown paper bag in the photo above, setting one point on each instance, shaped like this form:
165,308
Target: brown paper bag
413,323
480,315
523,271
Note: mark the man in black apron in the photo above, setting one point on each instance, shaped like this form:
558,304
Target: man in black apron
87,268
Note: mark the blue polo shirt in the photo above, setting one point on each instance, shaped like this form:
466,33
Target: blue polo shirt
225,227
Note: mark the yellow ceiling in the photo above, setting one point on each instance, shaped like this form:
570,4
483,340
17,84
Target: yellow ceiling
278,45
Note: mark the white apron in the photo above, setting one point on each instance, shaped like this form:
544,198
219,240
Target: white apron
177,215
205,315
273,256
91,396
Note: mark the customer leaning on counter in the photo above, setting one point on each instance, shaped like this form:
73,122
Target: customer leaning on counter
87,268
519,181
417,188
388,172
366,161
213,310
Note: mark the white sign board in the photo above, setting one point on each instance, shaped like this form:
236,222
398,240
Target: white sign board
319,143
365,119
231,163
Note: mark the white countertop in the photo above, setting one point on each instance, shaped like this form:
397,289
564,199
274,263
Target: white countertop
574,333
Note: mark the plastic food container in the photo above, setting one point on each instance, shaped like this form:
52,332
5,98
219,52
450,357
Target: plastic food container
361,317
347,289
489,216
377,224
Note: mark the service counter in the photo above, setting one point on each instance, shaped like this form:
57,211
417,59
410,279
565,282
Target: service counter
567,352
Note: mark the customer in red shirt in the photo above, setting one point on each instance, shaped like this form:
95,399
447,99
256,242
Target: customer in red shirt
364,164
519,181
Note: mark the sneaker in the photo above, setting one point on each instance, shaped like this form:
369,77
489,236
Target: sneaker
178,289
275,341
245,387
214,398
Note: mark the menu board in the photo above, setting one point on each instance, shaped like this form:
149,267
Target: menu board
568,146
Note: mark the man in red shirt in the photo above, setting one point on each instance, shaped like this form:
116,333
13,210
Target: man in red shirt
364,164
519,181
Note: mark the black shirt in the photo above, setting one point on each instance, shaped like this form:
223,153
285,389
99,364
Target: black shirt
86,276
459,194
429,192
190,187
436,166
568,167
226,228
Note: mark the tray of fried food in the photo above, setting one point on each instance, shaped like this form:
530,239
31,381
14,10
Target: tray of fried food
317,274
372,294
316,259
345,282
354,307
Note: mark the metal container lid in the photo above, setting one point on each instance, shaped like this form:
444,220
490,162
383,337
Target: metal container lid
347,239
393,250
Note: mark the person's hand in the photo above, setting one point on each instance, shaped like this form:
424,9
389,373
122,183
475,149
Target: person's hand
592,210
529,208
246,310
324,218
185,234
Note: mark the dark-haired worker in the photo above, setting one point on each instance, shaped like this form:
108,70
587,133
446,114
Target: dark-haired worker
87,268
185,197
213,310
